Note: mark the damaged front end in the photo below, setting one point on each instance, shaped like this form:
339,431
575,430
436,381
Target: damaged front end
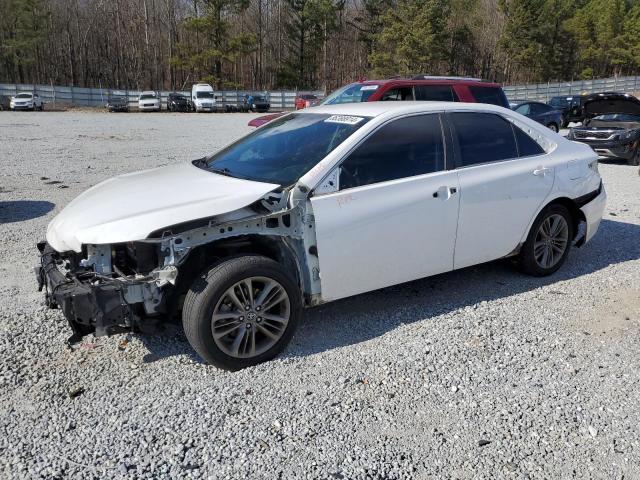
106,289
135,286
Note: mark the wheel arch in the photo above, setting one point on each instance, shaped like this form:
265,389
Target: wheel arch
577,216
204,257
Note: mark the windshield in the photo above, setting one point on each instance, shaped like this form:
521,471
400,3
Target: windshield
177,97
618,117
117,98
24,95
204,94
350,94
559,102
286,148
258,98
147,96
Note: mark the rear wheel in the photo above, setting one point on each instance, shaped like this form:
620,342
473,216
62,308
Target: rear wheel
553,127
242,312
548,243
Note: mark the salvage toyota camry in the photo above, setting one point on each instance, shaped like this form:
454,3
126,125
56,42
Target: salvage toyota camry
313,207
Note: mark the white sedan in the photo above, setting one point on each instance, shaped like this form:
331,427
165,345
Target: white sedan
312,207
149,102
26,101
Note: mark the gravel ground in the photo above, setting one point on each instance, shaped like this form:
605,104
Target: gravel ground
481,373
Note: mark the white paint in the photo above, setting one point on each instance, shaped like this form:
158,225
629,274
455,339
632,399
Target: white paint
130,207
383,234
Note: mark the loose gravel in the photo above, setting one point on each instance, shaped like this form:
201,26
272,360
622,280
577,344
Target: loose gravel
481,373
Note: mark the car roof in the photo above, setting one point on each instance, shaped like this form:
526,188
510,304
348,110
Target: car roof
430,81
374,109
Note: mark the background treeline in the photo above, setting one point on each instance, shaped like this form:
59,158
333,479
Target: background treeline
312,44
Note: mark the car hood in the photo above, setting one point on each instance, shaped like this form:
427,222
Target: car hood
602,103
129,207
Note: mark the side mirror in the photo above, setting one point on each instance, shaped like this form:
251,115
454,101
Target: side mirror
330,184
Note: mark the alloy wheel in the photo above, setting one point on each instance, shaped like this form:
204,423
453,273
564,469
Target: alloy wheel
552,240
250,317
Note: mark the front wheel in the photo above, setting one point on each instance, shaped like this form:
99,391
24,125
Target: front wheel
242,312
548,243
553,127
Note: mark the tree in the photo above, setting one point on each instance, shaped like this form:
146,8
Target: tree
413,38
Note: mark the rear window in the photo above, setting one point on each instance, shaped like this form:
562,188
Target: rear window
491,95
436,93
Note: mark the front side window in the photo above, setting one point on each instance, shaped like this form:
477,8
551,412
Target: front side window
403,148
491,95
436,93
483,137
285,148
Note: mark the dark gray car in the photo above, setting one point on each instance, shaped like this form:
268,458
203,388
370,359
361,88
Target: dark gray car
541,113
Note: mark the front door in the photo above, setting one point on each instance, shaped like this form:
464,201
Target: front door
394,216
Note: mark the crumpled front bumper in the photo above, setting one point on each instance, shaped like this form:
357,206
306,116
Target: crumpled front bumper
90,305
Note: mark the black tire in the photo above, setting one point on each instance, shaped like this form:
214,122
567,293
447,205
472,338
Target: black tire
635,159
526,259
553,127
208,290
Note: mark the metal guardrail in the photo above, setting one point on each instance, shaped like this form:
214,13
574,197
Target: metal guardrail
284,100
97,97
544,91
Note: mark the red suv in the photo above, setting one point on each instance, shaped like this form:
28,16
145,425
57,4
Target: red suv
419,87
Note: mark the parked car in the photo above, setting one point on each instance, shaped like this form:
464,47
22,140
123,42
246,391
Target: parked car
176,102
570,106
149,101
5,102
26,101
541,113
315,206
611,126
202,98
418,87
305,100
117,102
256,103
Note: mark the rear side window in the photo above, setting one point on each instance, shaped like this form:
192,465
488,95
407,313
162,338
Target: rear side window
403,148
483,137
491,95
435,93
527,146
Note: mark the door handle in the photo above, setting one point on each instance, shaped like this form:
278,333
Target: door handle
444,193
540,171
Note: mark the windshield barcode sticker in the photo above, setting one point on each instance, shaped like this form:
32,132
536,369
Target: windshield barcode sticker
347,119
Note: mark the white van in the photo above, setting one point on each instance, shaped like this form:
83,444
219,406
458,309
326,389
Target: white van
202,98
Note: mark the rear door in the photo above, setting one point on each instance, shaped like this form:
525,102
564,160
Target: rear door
395,214
504,177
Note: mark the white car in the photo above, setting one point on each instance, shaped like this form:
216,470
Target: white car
312,207
26,101
149,102
203,98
